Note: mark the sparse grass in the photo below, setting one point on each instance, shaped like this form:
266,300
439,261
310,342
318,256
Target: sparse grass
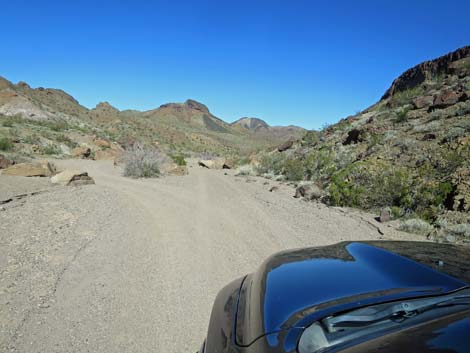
5,144
406,96
244,170
141,162
51,149
416,226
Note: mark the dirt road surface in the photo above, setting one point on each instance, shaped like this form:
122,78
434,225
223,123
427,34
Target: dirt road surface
134,265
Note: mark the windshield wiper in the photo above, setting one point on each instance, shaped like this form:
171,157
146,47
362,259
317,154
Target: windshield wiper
395,312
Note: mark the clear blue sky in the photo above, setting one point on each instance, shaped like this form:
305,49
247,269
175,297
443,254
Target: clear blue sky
288,62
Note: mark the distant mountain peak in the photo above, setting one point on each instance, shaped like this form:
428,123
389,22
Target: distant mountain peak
251,123
192,104
105,106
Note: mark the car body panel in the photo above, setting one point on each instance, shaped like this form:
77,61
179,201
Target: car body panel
271,307
294,288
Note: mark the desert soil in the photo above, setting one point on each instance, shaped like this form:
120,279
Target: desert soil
134,265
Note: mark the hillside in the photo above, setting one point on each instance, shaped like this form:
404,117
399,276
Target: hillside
409,152
50,121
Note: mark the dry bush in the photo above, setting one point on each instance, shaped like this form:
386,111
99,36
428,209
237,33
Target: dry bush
142,162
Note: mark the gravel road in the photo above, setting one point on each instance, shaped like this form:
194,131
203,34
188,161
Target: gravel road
134,265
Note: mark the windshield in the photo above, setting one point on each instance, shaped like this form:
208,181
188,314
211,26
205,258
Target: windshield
379,319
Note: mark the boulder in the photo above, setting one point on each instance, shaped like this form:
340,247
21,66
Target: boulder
39,169
216,163
385,215
81,152
285,146
4,162
423,102
309,192
446,99
72,178
274,188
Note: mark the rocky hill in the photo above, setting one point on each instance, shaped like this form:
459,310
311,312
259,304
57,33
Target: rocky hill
262,129
50,121
409,153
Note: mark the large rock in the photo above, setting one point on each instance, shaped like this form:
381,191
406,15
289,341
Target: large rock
446,99
216,163
72,177
385,215
309,192
4,162
285,146
423,102
34,169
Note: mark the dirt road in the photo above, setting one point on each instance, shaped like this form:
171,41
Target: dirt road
134,265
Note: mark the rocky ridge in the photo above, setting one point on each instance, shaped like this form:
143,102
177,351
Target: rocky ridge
410,152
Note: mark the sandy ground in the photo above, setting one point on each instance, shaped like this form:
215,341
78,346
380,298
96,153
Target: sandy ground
134,265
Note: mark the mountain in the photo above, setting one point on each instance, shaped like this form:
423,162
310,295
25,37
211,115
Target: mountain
188,126
410,151
261,129
253,124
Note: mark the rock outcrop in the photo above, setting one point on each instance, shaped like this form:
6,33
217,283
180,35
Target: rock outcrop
34,169
426,70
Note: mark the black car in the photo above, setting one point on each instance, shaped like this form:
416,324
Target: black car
350,297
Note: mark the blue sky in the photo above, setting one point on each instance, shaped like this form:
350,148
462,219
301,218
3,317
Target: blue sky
288,62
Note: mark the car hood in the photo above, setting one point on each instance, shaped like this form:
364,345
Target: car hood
294,288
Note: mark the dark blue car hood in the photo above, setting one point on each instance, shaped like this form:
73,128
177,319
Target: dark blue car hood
295,288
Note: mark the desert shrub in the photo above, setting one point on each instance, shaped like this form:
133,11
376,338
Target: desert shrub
7,123
401,116
31,139
178,159
141,162
57,125
271,163
311,138
294,169
406,96
366,186
416,226
321,164
5,144
51,149
244,170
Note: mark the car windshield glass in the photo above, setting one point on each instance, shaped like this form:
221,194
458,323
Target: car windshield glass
345,327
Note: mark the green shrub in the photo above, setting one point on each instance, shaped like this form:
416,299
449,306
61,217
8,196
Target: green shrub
178,159
271,163
401,116
51,149
406,96
294,169
366,186
31,139
61,138
5,144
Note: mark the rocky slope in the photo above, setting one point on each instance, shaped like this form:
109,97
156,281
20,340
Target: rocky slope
34,119
410,152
